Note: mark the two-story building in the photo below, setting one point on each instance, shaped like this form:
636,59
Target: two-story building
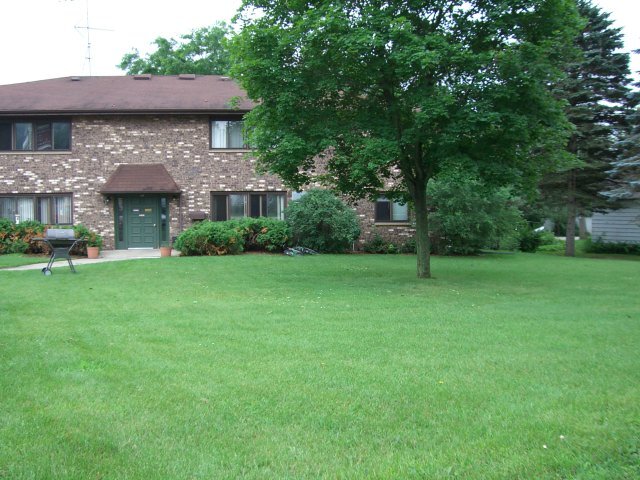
139,158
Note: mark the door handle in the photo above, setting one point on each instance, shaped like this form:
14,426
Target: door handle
154,224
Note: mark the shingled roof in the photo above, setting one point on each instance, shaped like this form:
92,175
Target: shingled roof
124,95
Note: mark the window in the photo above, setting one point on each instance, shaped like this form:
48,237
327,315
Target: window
388,211
226,206
41,135
48,209
228,132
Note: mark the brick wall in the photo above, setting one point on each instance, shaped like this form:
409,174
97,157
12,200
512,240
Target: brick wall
181,143
397,233
101,143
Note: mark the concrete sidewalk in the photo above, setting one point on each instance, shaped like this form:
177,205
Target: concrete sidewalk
105,256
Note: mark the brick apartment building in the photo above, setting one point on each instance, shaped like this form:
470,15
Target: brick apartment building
139,158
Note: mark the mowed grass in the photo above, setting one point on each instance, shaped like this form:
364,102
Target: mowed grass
18,259
257,366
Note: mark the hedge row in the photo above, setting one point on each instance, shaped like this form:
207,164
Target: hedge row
319,220
233,237
378,245
600,246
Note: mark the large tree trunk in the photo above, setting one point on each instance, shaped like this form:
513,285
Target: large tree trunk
422,232
570,250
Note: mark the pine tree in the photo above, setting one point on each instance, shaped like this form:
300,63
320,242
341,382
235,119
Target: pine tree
626,172
595,89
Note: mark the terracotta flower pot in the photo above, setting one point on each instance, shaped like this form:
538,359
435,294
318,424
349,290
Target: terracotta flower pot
165,251
93,252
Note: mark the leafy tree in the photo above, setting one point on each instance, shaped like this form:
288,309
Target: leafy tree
595,89
364,94
469,216
203,51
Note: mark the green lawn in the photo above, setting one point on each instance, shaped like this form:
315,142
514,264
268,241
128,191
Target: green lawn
17,259
256,366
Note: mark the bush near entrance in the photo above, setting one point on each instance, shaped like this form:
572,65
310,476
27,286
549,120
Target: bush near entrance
233,237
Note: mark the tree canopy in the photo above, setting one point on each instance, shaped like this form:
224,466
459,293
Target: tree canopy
382,95
203,51
596,90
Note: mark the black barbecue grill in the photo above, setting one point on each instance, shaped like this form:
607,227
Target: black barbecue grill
60,241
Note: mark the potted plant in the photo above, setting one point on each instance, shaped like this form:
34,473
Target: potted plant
94,244
165,249
92,241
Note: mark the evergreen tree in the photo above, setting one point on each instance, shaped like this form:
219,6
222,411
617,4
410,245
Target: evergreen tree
626,172
595,89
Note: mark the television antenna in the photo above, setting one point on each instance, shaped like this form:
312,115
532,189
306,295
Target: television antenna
88,29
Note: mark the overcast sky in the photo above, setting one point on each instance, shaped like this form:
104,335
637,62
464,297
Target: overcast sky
48,38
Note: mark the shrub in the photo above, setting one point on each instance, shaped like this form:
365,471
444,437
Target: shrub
409,246
6,227
530,240
392,248
600,246
17,238
548,238
263,234
210,238
321,221
18,246
92,239
470,216
378,245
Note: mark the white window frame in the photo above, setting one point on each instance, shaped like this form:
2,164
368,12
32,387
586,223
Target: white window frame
398,213
222,130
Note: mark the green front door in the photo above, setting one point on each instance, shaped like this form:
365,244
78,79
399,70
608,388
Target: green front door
143,222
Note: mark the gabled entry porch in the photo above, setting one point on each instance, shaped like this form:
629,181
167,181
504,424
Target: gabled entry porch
141,206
